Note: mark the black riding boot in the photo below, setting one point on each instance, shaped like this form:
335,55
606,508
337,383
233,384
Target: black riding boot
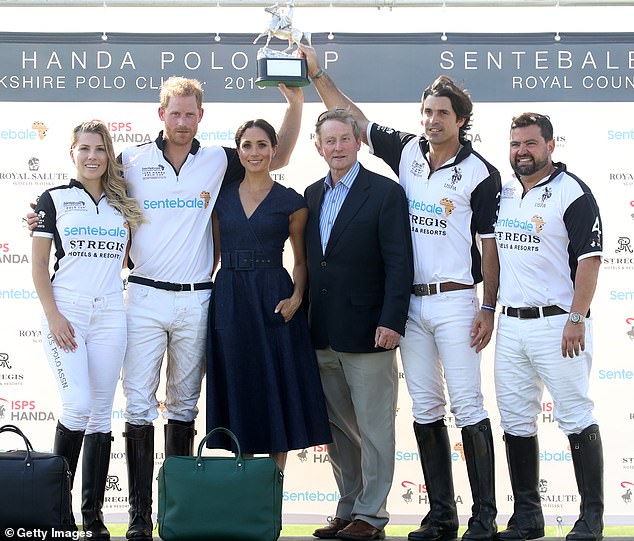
527,521
68,444
179,438
587,457
477,443
94,473
441,523
139,448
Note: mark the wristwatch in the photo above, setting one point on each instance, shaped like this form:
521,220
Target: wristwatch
575,318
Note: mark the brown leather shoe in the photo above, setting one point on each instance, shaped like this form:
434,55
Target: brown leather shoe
360,529
330,531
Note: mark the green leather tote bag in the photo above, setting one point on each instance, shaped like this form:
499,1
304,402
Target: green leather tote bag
211,498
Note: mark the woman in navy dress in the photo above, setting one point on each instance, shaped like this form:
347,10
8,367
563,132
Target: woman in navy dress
262,376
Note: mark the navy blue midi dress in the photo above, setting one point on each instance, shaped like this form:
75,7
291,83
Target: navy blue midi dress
262,376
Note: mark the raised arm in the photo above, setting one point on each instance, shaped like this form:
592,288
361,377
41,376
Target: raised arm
328,91
289,130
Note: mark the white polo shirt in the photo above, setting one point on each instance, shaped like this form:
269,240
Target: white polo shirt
176,244
90,239
447,207
541,235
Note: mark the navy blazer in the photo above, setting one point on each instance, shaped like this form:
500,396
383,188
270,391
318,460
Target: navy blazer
365,277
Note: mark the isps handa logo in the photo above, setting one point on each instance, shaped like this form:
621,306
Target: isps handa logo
629,323
303,455
122,131
626,494
548,416
23,410
417,493
319,455
11,256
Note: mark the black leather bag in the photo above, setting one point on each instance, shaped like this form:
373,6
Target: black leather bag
35,489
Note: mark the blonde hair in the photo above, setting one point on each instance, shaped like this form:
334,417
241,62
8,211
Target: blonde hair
180,86
112,180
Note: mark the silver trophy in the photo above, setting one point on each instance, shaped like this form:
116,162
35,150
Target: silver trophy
282,66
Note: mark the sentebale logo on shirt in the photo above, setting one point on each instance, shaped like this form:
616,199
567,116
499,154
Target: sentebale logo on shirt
178,203
156,172
92,231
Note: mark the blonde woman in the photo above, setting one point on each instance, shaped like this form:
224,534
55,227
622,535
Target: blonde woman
84,326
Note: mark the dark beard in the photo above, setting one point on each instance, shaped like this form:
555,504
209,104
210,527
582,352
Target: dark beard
528,169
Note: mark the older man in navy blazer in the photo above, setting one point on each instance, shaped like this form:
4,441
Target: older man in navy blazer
359,256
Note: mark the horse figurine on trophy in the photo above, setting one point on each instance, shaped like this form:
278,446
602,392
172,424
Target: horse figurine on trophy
281,27
287,66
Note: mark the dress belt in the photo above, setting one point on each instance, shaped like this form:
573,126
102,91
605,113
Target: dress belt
169,286
422,290
533,312
246,260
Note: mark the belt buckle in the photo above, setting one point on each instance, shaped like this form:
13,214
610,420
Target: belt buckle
421,290
249,260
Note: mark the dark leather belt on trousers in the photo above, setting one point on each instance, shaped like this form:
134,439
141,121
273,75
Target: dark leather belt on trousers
169,286
246,260
422,290
533,312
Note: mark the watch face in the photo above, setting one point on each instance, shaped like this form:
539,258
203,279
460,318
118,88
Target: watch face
575,317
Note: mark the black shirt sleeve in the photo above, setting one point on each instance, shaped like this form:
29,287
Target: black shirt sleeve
388,144
235,170
46,215
485,203
583,223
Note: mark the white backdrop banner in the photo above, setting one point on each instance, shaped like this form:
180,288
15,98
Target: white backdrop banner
51,82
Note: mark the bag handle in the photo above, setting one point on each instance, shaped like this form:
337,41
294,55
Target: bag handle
15,430
228,432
